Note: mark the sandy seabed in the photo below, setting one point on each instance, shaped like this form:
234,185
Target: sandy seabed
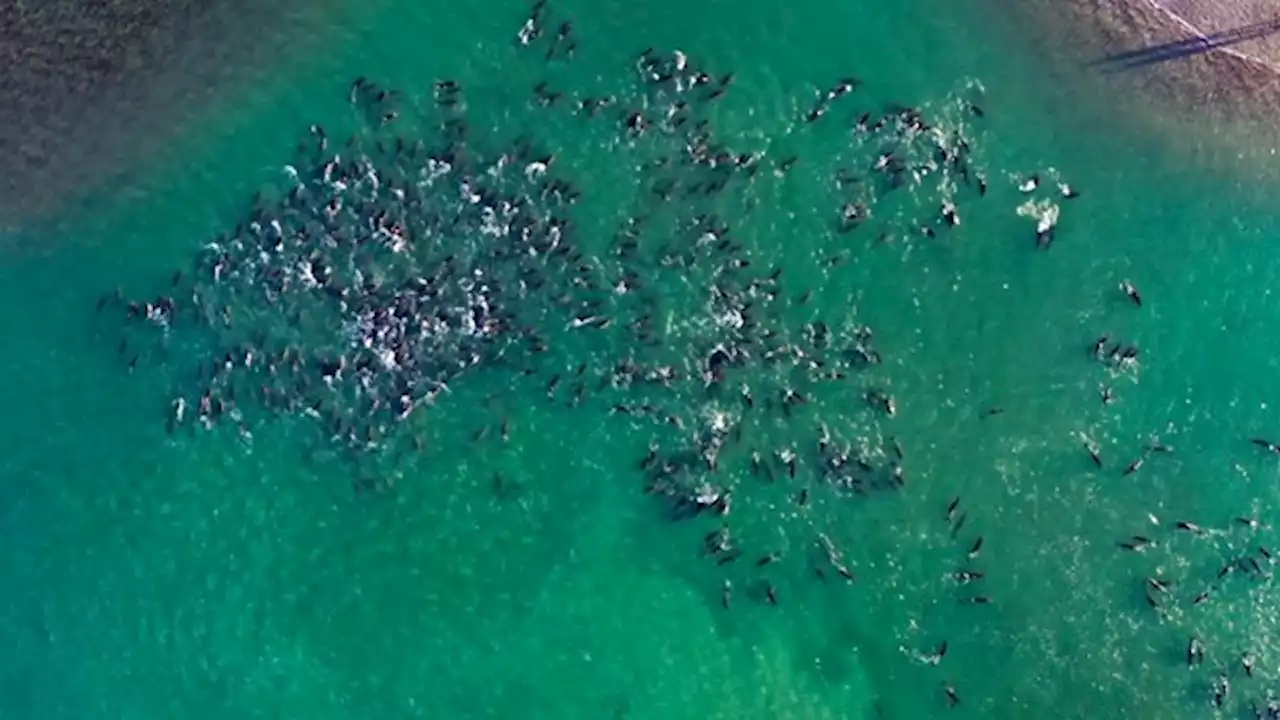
91,86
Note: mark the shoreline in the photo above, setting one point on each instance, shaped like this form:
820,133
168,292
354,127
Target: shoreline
1219,102
96,89
1196,31
89,96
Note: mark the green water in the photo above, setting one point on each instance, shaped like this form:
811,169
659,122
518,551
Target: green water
146,576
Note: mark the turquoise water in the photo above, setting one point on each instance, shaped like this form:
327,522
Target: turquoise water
150,576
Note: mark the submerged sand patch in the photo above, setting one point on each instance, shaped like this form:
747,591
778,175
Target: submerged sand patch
90,85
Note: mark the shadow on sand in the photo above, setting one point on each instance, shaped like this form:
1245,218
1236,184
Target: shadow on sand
1134,59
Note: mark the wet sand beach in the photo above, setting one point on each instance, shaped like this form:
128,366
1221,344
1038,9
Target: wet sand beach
1207,17
1228,91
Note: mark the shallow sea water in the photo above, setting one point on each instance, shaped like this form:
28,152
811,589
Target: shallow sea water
149,576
